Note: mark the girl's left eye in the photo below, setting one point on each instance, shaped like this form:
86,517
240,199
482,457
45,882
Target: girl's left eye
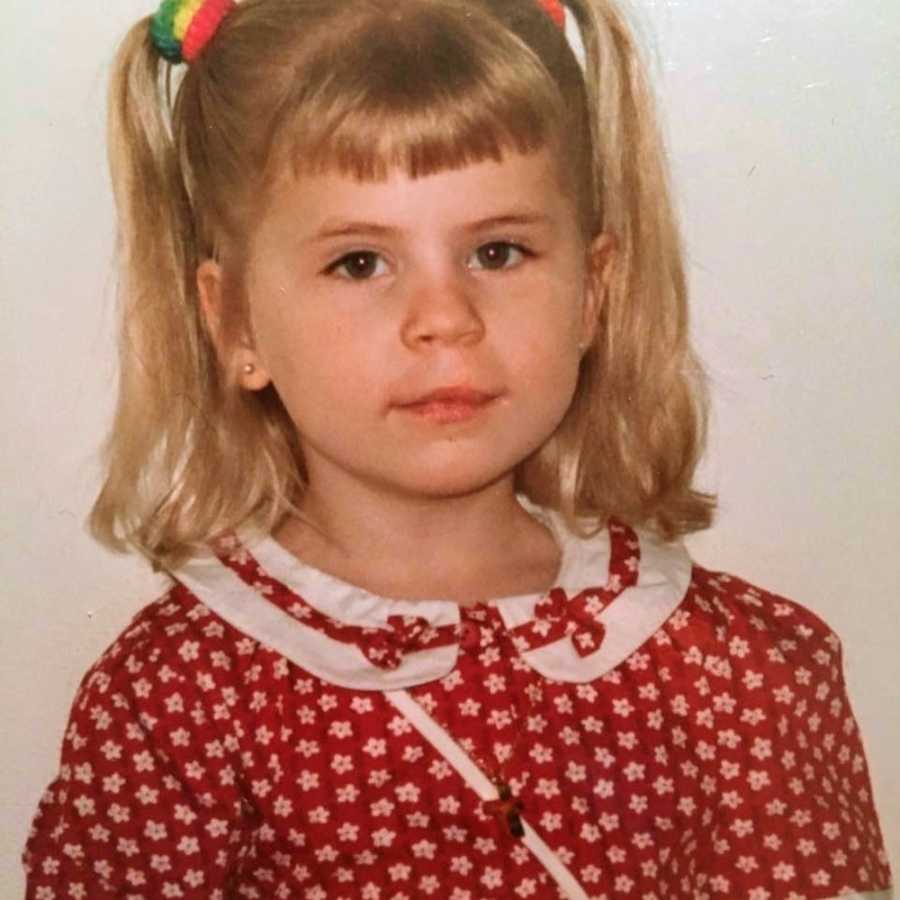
358,265
498,255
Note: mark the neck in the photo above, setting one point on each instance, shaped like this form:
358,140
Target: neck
468,548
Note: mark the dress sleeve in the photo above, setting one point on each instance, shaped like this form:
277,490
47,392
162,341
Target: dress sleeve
797,816
145,804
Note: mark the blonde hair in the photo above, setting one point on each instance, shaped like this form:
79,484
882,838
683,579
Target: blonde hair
327,86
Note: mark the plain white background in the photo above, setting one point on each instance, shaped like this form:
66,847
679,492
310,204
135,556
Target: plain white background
783,124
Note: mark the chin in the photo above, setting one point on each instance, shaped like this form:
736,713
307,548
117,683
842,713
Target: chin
437,481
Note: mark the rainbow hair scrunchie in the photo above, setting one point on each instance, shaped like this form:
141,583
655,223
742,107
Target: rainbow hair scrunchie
180,29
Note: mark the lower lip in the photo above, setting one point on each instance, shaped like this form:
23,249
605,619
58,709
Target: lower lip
446,411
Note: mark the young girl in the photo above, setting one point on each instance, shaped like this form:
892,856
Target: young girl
408,413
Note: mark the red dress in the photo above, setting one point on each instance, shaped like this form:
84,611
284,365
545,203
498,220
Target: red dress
647,730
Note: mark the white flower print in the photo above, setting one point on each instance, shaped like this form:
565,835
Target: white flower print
189,650
547,787
282,806
609,821
424,849
541,754
461,864
536,724
118,813
167,757
361,705
383,837
469,708
500,718
382,807
407,793
758,779
375,747
114,783
527,887
551,821
604,788
606,759
342,763
188,845
341,729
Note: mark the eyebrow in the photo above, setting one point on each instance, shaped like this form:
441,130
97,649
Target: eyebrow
345,229
356,228
511,219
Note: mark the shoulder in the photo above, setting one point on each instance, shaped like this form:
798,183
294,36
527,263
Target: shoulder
758,677
148,759
755,624
768,659
175,643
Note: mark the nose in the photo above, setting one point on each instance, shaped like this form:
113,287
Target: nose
441,309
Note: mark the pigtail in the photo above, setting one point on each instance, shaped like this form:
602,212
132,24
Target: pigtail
190,453
167,366
157,257
632,440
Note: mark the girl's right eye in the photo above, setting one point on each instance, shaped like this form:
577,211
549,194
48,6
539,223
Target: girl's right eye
358,265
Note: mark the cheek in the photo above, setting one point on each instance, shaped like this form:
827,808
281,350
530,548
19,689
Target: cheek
315,363
547,340
545,363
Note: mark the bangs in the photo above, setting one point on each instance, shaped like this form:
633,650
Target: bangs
423,89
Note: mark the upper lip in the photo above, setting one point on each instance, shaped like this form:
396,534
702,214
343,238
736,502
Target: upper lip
457,393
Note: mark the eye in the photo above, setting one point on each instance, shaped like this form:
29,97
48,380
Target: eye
358,265
499,255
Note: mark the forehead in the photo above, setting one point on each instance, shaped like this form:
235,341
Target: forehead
525,186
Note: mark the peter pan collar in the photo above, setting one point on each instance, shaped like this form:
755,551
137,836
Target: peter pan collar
251,572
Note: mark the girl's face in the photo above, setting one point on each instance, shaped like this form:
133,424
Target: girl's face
423,335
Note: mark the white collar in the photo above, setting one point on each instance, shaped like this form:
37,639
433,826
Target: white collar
663,577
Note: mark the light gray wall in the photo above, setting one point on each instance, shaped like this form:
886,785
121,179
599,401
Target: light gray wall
784,128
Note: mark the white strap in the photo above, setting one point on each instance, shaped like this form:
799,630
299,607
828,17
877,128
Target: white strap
441,740
573,36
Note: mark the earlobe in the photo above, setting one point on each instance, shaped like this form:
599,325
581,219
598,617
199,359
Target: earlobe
235,353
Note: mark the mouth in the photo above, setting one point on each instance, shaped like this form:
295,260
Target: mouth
449,404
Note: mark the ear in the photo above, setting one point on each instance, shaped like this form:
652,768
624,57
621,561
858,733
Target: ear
236,353
601,255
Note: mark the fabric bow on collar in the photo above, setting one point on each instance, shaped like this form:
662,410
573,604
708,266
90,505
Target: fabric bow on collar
385,647
556,616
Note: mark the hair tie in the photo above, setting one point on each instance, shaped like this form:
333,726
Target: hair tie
180,29
555,10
